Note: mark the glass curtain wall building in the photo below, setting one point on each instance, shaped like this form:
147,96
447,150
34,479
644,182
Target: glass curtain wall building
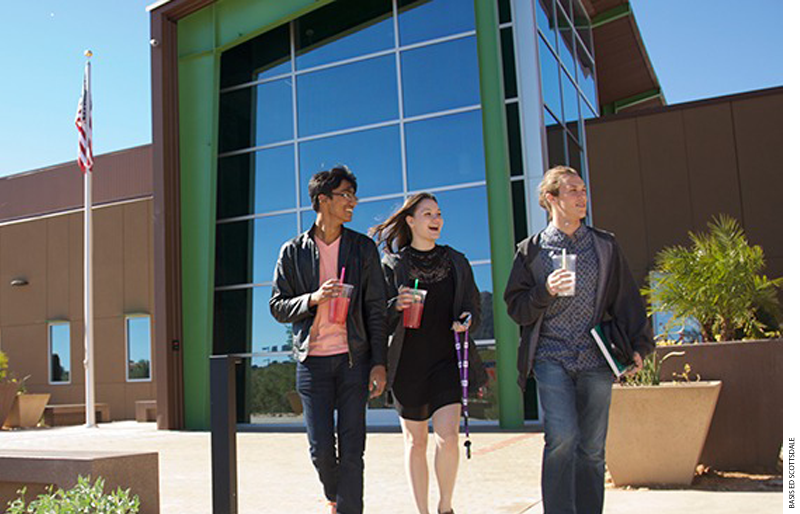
391,89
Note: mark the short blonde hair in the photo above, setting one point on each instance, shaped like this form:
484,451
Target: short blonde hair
551,182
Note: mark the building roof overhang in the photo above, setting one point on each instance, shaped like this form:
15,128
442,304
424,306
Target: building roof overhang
625,76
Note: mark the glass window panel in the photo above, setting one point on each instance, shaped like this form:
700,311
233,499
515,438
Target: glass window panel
373,155
60,353
446,150
267,334
566,6
545,20
566,45
551,93
514,139
307,219
570,100
586,111
504,11
423,20
248,250
256,182
586,79
233,312
509,64
369,214
466,227
274,117
555,141
427,70
342,30
519,209
583,25
235,119
271,391
271,233
575,155
262,57
139,347
483,279
347,96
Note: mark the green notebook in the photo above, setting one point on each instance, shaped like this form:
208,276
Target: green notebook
605,348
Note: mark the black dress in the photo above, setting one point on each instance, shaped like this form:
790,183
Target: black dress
427,374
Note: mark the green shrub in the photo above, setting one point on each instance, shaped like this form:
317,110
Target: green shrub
717,281
84,498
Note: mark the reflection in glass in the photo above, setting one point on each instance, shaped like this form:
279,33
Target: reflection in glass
583,25
444,151
550,87
519,209
271,233
570,100
483,279
59,353
342,30
372,155
514,139
566,45
423,20
256,182
504,11
232,321
466,220
274,112
586,77
369,214
440,77
347,96
544,20
267,334
575,155
586,111
248,250
509,64
235,119
555,141
262,57
138,339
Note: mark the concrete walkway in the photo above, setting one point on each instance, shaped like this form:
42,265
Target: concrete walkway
276,475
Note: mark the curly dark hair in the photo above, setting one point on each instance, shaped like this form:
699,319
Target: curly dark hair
324,182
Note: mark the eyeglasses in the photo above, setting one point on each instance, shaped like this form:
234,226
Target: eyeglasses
350,197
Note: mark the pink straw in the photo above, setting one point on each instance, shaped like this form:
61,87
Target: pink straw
341,276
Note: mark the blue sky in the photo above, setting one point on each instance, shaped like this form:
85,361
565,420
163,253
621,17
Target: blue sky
698,48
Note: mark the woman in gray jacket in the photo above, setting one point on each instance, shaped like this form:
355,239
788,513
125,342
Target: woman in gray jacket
423,371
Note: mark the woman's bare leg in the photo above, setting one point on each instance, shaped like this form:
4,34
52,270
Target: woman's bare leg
445,429
415,436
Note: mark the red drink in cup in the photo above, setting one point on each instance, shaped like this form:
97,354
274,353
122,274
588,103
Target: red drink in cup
337,311
412,317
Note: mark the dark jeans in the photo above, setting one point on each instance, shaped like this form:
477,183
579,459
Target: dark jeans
325,385
575,409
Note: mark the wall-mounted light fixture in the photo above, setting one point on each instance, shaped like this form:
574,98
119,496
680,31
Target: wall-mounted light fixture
19,282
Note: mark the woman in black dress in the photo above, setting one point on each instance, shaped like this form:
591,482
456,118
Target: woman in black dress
422,362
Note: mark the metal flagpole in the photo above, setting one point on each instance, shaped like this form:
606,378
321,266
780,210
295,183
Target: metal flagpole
88,303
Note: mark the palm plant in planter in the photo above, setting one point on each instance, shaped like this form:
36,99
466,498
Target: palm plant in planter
717,281
8,388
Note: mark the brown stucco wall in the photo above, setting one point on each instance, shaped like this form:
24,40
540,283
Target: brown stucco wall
655,175
48,252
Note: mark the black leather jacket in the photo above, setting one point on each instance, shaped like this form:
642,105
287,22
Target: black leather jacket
297,276
467,299
618,298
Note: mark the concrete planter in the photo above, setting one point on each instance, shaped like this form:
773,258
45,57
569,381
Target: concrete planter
8,391
27,410
747,428
656,433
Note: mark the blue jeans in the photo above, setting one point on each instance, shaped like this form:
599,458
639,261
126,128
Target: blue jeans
575,409
325,385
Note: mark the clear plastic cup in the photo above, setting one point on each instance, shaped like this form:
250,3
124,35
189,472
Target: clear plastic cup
412,317
567,262
337,312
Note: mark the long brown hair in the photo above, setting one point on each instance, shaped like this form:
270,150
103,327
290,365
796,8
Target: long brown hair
394,233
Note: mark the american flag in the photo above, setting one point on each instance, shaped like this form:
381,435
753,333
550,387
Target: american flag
83,120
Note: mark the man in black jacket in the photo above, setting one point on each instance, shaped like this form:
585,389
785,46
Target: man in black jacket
574,380
339,364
